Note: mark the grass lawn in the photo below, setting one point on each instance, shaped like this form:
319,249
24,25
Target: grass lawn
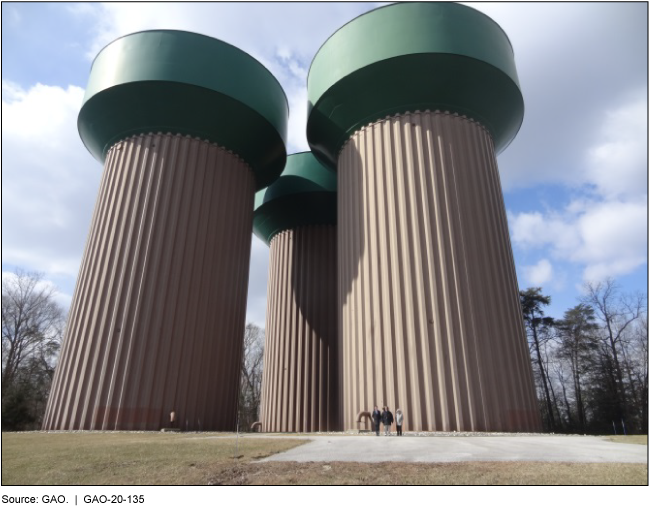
458,473
642,440
127,459
209,459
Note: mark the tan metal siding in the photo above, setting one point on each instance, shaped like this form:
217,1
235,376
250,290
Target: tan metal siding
300,381
430,317
157,318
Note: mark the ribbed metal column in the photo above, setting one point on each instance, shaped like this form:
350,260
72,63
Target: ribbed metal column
300,388
430,315
158,312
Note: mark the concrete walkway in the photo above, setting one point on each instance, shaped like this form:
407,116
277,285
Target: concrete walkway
544,448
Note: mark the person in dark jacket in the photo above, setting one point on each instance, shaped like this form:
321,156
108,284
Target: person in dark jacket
376,419
387,420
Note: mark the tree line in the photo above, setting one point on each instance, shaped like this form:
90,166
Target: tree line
590,367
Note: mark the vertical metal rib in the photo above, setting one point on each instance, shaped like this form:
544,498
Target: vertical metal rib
430,319
157,319
300,380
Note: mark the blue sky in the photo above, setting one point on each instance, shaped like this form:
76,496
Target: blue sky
574,180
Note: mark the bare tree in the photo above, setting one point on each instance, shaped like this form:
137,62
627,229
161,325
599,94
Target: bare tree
640,354
617,313
251,375
641,342
558,369
32,327
32,322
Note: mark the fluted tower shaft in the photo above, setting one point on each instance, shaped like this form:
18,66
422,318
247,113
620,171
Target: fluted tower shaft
300,388
430,317
160,300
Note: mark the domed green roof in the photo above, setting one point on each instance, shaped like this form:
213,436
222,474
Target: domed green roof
187,83
305,194
408,57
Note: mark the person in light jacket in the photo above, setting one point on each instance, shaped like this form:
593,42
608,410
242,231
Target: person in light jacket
399,419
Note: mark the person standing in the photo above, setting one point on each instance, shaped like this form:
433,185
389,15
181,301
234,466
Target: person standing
376,419
387,419
399,419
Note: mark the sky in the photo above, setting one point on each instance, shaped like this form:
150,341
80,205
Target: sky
575,179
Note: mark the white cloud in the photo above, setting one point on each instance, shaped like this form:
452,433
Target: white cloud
539,274
571,78
606,229
614,237
618,164
47,174
44,113
607,238
535,230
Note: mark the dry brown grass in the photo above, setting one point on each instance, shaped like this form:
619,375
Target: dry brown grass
640,440
457,473
126,459
207,459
